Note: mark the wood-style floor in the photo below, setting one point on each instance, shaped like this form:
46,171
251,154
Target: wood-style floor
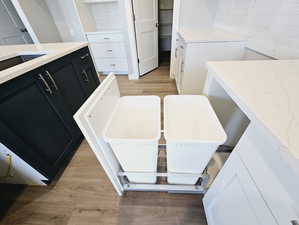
83,194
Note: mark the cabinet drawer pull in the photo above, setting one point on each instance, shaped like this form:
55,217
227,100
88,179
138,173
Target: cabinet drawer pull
84,56
294,222
52,79
109,50
182,67
113,64
106,38
9,167
48,89
85,76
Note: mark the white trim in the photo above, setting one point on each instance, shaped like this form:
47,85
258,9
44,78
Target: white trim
25,21
130,40
79,20
175,29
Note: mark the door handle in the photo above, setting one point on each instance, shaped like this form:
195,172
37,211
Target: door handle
182,67
157,24
52,79
24,30
84,56
85,78
176,52
48,89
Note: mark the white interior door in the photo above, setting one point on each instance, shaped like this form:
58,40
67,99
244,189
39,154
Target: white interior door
146,28
12,30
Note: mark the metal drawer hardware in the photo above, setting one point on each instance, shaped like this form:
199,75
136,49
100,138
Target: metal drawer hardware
106,38
52,79
113,64
84,56
48,89
294,222
85,78
9,167
182,67
109,50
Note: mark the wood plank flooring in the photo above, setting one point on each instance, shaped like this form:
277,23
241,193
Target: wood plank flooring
83,194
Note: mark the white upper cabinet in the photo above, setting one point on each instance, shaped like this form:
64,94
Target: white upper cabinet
99,16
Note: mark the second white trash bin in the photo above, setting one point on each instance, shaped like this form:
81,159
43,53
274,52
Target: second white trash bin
133,133
193,134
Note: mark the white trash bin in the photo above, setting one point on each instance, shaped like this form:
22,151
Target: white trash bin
193,134
133,133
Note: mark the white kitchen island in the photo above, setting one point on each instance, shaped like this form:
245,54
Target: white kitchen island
259,184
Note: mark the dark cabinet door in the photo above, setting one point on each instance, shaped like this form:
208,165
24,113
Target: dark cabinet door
63,79
34,124
86,71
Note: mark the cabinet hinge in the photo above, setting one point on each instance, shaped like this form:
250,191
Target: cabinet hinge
138,60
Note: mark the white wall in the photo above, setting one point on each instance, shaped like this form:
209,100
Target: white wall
272,26
196,14
40,19
67,20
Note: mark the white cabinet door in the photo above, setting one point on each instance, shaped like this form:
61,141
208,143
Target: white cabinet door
233,198
92,118
146,28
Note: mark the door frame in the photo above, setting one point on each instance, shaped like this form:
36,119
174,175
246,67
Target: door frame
131,41
25,21
175,29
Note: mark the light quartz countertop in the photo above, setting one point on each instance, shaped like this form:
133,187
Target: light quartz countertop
266,91
52,51
214,35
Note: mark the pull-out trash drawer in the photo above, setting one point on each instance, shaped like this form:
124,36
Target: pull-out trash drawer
193,134
133,133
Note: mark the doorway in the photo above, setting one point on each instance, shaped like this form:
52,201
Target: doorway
153,21
12,29
165,17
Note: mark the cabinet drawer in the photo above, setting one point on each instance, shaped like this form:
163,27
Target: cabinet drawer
105,37
108,50
111,65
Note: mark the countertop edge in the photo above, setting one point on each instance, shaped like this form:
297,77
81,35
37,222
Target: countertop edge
9,75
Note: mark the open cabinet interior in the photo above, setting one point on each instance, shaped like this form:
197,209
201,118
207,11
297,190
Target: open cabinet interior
165,29
103,27
99,15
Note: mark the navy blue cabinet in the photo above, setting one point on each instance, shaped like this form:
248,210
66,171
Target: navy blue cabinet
36,113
